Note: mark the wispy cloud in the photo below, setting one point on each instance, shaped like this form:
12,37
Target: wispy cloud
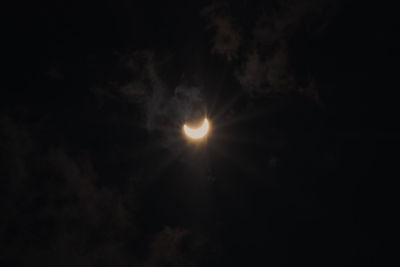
226,35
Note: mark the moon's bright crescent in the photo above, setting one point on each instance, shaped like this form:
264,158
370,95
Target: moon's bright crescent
197,133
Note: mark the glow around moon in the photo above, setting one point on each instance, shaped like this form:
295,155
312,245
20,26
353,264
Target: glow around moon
199,132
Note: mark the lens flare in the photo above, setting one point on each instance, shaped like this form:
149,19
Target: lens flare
197,133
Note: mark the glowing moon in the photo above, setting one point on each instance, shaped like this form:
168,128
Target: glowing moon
199,132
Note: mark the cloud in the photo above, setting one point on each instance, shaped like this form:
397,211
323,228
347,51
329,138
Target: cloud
144,87
163,107
55,211
162,104
166,113
226,36
266,75
264,60
178,247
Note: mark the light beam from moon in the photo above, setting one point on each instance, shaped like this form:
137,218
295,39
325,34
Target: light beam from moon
199,132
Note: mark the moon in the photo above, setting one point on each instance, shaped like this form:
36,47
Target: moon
197,133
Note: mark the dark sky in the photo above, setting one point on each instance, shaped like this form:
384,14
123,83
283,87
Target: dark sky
298,170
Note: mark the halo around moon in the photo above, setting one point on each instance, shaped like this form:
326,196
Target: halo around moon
197,133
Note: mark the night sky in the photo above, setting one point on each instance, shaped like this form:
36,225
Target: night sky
299,167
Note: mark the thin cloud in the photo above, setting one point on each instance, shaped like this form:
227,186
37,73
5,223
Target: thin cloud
226,35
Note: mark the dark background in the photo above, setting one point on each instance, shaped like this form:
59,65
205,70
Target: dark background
300,166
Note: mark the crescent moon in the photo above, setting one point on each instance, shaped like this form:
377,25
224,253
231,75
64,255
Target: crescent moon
199,132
